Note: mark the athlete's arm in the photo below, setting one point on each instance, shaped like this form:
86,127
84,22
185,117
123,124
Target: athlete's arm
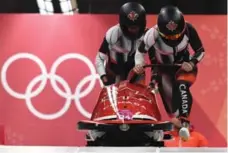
147,47
154,69
110,38
101,57
144,47
196,44
140,54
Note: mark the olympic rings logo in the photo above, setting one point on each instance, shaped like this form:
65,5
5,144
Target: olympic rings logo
54,79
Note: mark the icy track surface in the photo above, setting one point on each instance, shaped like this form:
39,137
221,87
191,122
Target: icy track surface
49,149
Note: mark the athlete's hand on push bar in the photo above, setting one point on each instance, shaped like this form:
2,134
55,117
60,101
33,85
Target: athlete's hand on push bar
187,66
139,69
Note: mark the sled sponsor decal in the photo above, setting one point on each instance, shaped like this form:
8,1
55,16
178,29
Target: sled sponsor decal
125,115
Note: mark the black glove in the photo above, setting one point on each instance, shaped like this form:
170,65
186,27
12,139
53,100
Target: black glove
153,85
153,82
104,79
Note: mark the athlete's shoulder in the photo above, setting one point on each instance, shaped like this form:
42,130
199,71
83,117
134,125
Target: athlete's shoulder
191,31
190,27
151,36
146,29
113,34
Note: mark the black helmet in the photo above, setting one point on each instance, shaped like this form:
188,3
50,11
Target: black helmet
171,23
132,14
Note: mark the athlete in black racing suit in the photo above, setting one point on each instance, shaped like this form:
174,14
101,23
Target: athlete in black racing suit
167,43
120,44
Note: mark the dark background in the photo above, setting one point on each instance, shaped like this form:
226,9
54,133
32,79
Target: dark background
112,6
153,6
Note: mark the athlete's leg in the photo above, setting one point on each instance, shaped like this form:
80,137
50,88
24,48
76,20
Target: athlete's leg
166,87
183,97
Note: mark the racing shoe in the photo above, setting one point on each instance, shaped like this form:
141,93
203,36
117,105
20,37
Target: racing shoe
184,133
182,128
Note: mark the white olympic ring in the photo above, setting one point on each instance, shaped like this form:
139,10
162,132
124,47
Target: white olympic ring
54,78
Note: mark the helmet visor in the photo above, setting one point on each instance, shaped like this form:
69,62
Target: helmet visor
172,37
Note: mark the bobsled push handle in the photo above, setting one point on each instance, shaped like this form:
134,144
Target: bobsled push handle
133,77
162,65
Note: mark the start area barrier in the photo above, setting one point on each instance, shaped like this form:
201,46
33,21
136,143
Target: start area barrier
52,149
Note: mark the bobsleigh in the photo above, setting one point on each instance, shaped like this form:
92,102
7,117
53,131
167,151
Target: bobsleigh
126,114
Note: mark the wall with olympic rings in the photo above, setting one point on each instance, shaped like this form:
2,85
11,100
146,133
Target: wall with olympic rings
46,61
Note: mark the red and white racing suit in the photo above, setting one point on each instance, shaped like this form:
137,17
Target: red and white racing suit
174,84
115,58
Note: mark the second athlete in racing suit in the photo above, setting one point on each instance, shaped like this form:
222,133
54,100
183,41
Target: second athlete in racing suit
116,55
167,43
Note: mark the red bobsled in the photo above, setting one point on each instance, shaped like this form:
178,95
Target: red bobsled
126,114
